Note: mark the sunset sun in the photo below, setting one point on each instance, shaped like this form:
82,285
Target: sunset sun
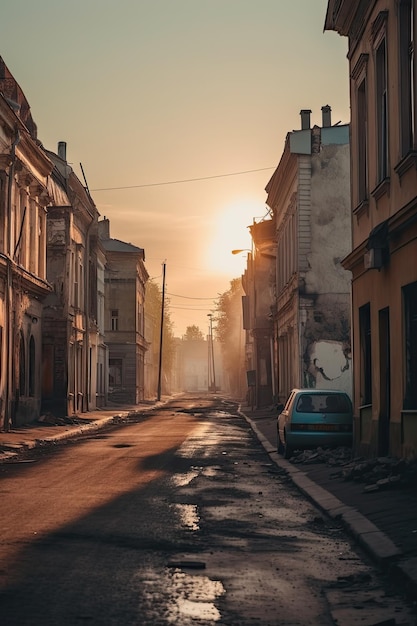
232,233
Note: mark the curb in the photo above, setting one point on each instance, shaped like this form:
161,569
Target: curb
376,543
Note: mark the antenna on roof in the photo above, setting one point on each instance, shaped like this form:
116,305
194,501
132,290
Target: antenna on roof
85,180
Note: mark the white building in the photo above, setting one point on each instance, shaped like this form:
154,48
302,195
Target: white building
309,195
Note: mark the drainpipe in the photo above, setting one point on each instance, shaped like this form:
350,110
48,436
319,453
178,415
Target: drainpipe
9,290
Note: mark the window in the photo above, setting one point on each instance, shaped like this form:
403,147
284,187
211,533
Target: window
382,109
362,129
115,372
286,262
365,354
410,338
114,319
407,79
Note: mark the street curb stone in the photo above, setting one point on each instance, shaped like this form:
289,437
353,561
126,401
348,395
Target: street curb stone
376,543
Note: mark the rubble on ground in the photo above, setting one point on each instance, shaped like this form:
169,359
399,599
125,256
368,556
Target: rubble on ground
48,419
376,474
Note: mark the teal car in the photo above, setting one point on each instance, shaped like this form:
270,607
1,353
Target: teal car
312,418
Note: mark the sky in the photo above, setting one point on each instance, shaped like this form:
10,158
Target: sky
177,112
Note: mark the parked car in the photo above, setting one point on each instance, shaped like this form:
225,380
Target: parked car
312,418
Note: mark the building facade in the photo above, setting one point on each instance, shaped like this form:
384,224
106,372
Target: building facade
70,332
383,261
125,280
309,197
258,283
24,172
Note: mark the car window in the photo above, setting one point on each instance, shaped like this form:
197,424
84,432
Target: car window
336,403
323,403
305,403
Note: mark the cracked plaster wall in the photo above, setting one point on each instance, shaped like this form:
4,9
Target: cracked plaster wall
325,294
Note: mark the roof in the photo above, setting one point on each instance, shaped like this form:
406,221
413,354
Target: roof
115,245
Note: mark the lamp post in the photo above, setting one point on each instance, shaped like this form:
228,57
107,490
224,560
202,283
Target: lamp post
161,331
211,355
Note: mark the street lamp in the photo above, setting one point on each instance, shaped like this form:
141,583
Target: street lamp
241,250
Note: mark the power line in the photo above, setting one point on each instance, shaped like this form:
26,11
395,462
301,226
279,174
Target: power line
190,297
185,308
186,180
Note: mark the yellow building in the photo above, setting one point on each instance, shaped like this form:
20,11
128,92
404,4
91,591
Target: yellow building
383,261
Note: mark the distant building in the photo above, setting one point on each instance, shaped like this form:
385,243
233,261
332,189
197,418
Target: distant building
309,197
125,279
258,282
199,365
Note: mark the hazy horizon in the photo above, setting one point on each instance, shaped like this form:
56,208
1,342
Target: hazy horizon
178,113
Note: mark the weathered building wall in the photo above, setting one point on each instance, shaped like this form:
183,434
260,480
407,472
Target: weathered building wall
24,171
71,309
309,194
325,300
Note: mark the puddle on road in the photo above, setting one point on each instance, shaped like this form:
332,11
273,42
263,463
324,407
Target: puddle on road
195,599
181,480
188,514
179,597
211,471
199,610
198,444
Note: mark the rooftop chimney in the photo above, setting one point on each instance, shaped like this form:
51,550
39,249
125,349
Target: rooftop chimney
305,119
326,112
62,150
104,228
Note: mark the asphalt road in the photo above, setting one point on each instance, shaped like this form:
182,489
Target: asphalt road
177,517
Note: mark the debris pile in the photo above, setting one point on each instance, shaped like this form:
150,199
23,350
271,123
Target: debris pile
376,473
48,419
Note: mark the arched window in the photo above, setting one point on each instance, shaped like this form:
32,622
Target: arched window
32,362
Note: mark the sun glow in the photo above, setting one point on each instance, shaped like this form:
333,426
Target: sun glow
231,232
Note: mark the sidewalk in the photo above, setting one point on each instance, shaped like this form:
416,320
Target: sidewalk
380,515
50,429
383,521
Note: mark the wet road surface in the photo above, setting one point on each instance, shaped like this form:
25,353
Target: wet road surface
177,517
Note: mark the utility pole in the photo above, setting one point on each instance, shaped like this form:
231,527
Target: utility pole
162,331
211,352
208,361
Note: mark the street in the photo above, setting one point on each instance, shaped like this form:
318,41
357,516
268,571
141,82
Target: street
177,517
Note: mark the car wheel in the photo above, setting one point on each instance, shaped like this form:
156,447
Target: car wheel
280,445
287,451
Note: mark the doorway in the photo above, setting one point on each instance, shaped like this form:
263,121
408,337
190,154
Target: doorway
384,383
